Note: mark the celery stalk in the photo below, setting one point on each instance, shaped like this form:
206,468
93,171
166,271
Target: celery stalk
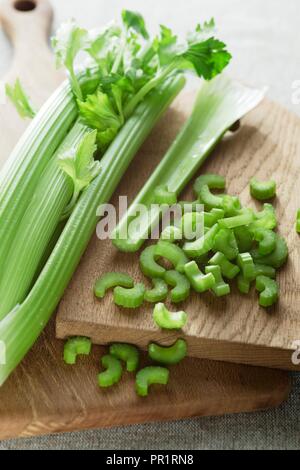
22,171
20,328
37,227
220,103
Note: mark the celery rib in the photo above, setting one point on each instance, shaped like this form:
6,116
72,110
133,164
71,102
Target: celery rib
21,173
37,227
20,328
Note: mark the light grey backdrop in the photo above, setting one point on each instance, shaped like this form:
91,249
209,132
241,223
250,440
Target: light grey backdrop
264,37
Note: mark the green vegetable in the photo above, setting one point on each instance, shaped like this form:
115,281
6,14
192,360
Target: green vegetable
245,218
110,280
298,222
126,353
21,327
203,245
172,253
199,281
229,270
129,298
168,320
171,234
164,196
113,373
75,347
225,242
220,288
210,200
181,286
192,225
20,100
268,289
219,104
262,190
159,293
211,180
263,270
149,265
243,284
231,205
265,219
212,217
277,258
266,239
68,42
243,238
246,265
150,376
168,355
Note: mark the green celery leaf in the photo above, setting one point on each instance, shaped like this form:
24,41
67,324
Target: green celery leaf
79,163
68,42
208,57
135,21
103,45
20,100
98,113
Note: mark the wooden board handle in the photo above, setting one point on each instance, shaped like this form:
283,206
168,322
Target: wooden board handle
26,22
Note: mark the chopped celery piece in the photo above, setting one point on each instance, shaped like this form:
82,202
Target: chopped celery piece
159,293
150,376
126,353
231,205
262,190
243,284
171,234
168,320
168,355
243,238
225,242
172,253
149,265
110,280
268,289
113,373
180,284
266,240
211,180
244,218
129,298
199,281
203,245
75,347
246,265
229,270
265,219
277,258
220,288
212,217
264,270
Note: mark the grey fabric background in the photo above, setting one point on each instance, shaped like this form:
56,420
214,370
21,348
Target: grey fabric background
264,37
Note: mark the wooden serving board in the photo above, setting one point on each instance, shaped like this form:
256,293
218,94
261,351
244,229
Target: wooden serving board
234,328
44,395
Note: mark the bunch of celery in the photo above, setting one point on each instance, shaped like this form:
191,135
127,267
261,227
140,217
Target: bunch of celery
74,154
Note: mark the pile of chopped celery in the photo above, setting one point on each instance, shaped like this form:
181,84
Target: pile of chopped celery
126,353
74,153
237,244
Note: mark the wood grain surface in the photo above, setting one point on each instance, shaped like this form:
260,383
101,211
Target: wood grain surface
233,328
44,395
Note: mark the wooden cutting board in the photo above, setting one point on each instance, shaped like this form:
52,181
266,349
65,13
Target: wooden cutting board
44,395
233,328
